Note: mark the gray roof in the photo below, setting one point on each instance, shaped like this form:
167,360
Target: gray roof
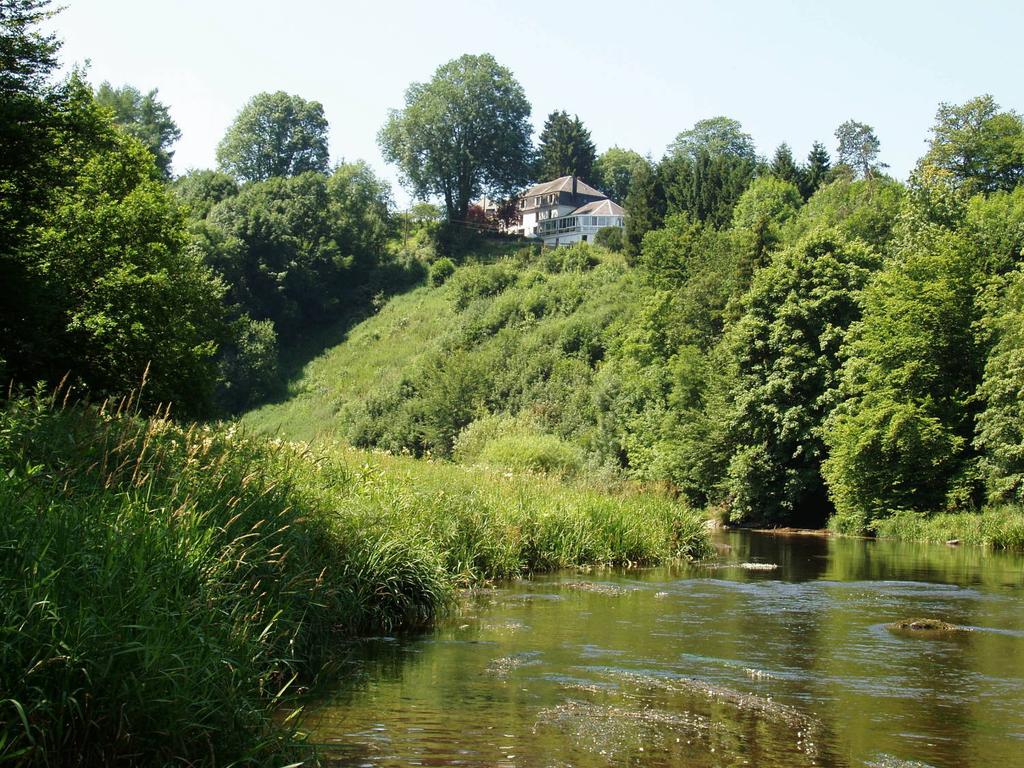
599,208
563,184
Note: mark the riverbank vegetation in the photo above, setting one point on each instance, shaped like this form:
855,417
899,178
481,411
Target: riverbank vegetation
776,342
165,588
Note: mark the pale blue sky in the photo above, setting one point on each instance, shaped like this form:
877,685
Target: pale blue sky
635,72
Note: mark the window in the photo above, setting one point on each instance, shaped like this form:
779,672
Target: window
584,238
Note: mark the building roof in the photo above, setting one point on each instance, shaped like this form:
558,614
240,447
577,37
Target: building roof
599,208
563,184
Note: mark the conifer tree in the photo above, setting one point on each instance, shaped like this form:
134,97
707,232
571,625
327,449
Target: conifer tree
645,206
783,166
565,148
816,171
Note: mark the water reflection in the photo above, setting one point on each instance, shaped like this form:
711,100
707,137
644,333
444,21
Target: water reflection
705,665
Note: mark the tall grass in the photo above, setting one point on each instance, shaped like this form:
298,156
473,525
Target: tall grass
164,589
999,527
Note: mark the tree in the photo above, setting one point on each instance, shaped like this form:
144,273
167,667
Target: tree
982,147
866,209
296,250
706,187
110,287
614,169
716,136
464,133
645,208
201,190
784,167
275,134
787,354
816,171
858,148
901,439
760,215
565,148
143,117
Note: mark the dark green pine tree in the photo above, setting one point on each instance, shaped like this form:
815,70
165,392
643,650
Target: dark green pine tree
816,171
565,148
645,208
783,166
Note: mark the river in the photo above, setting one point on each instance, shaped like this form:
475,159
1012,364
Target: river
712,664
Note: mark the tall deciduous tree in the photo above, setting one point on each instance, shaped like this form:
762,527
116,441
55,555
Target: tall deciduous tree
464,133
787,353
275,134
145,118
981,146
901,439
565,148
614,171
716,136
858,148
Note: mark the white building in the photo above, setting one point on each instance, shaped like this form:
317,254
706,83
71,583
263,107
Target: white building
566,211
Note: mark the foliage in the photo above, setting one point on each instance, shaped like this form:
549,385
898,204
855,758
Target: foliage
982,147
784,168
761,214
166,590
143,117
707,185
297,250
787,356
858,148
199,191
866,209
612,238
565,149
614,171
104,287
249,365
715,136
464,133
275,134
1000,426
440,271
816,171
901,439
645,205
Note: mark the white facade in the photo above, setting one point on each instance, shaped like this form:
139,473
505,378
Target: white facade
566,211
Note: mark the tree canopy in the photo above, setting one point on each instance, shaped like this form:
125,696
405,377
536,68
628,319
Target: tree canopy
716,136
565,149
145,118
614,171
980,145
275,134
464,133
858,148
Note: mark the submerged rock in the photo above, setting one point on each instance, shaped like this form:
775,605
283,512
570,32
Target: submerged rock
591,586
925,627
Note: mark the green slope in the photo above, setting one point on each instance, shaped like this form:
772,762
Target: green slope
498,365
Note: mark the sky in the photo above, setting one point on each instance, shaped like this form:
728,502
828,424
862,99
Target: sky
636,73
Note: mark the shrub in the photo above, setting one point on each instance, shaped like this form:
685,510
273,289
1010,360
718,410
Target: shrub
612,238
440,271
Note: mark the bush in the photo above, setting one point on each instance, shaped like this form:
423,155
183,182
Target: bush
612,238
440,271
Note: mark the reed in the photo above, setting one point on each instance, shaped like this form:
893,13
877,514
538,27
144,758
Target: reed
166,589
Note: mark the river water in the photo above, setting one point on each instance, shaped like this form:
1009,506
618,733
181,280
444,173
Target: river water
714,664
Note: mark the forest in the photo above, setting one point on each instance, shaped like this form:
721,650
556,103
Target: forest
250,348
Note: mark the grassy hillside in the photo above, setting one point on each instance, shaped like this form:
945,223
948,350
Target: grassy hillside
499,364
165,589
